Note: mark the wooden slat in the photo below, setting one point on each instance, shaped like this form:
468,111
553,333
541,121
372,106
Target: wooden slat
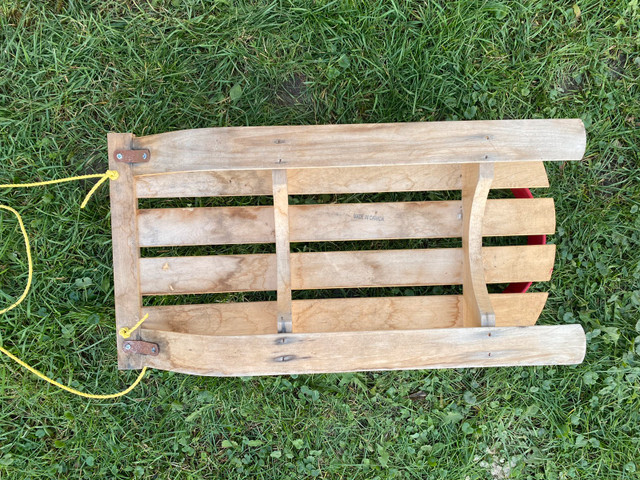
205,184
341,314
250,318
408,178
356,351
207,274
205,226
126,253
335,180
336,222
476,183
255,148
227,273
283,251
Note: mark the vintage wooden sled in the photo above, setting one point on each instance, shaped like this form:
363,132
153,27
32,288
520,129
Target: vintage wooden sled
475,329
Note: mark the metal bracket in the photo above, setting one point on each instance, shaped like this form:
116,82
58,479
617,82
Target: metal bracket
132,156
140,347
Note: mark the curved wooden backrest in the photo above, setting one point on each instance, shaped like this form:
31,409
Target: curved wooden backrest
378,332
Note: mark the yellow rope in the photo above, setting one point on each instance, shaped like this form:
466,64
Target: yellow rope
110,174
28,247
73,390
126,332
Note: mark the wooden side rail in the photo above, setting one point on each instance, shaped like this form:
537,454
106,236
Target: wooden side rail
320,146
356,351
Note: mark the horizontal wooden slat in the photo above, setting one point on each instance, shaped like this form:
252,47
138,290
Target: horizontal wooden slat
357,351
205,226
314,146
247,318
340,314
228,273
207,274
335,180
335,222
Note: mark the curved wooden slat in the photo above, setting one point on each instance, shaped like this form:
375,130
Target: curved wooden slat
476,183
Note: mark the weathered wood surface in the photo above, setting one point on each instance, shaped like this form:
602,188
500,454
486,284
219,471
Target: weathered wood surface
337,222
337,180
125,247
256,148
283,251
356,351
350,269
340,314
331,335
476,183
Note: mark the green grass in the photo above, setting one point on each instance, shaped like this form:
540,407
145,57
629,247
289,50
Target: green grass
72,71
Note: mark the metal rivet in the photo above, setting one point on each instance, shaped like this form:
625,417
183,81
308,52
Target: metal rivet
119,156
153,349
127,346
144,156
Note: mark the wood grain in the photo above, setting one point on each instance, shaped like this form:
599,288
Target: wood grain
247,318
337,222
283,250
341,314
205,226
230,273
356,351
335,180
255,148
126,253
476,183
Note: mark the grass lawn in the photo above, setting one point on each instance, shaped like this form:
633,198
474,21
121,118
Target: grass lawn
70,71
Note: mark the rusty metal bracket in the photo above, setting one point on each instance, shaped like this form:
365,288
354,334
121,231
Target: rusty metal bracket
132,156
140,347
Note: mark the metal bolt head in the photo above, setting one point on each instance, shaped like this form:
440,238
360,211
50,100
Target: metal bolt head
127,346
119,156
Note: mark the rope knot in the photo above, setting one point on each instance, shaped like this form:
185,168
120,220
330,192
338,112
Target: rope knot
109,174
126,332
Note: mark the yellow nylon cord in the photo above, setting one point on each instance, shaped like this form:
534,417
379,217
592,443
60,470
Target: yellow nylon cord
73,390
110,174
30,263
126,332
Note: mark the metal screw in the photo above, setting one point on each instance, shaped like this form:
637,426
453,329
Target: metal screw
119,156
144,156
127,346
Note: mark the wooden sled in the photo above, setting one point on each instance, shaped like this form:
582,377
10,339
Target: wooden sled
475,329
